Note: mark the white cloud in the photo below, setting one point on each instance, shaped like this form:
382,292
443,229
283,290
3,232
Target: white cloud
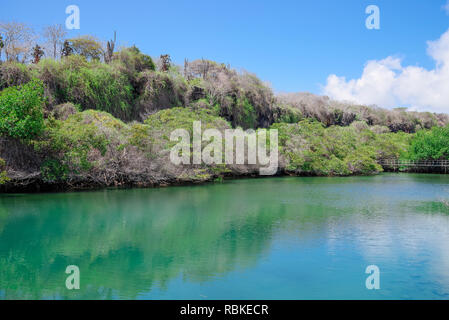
388,84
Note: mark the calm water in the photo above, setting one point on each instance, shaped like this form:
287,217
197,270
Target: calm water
277,238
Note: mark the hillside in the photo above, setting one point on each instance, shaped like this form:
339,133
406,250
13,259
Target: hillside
80,123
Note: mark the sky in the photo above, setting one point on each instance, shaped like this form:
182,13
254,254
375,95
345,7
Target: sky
320,46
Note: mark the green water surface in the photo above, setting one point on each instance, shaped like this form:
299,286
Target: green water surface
274,238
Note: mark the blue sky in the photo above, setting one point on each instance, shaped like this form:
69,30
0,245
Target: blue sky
294,45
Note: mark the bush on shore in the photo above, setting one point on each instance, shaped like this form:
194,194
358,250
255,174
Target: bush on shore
111,122
21,110
311,148
430,144
3,174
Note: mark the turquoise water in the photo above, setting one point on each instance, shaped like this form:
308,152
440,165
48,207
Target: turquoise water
274,238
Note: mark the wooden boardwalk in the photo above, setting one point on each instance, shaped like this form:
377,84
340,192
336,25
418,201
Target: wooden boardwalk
440,166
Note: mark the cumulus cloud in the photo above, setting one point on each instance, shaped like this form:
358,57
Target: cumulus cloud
388,84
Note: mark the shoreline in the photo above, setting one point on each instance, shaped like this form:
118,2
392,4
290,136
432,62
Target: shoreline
39,186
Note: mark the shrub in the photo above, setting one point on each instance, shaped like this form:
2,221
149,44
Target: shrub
310,148
63,111
287,114
244,100
390,145
430,144
362,161
134,61
21,110
91,85
246,117
53,170
71,141
97,86
157,91
13,74
183,118
139,136
3,174
330,112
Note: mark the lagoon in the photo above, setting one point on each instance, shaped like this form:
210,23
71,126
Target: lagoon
270,238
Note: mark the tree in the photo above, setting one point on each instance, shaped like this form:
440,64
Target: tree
66,49
21,110
165,62
110,49
37,54
18,40
87,46
134,60
55,35
430,144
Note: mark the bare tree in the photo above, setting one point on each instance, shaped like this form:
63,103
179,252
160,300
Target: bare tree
55,37
18,40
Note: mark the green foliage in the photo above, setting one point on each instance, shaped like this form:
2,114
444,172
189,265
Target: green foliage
71,141
247,116
139,136
164,122
97,86
390,145
159,90
430,144
289,115
3,174
134,61
91,85
362,161
4,177
345,140
53,170
86,46
183,118
310,148
21,110
13,74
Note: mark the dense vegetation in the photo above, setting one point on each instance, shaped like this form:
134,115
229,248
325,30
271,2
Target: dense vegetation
311,148
431,144
21,112
99,117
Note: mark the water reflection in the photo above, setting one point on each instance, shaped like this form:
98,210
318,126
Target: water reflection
133,243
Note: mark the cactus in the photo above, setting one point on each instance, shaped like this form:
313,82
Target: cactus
110,49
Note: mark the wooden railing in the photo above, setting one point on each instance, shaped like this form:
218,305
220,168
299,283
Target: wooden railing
394,163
